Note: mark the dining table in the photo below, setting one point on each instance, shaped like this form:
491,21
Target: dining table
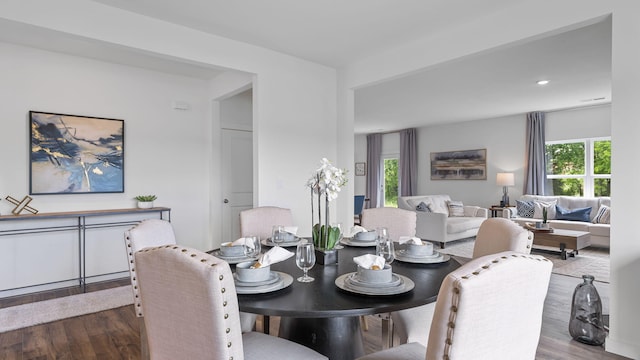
325,317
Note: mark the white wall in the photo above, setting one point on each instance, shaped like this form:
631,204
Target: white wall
512,24
294,113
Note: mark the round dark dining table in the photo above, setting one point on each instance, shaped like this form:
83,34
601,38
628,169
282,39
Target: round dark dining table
324,317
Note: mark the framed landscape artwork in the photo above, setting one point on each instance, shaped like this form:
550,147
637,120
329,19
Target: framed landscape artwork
459,165
73,154
361,169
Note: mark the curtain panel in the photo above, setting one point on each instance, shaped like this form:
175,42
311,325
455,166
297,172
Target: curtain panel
374,175
408,162
535,168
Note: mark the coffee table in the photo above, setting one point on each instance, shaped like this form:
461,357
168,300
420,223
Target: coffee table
563,239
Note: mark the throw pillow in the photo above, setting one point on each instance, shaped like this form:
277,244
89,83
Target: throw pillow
423,207
580,214
455,208
549,205
603,216
525,208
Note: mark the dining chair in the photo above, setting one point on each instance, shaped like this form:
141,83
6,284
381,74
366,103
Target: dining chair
500,234
494,235
399,222
148,233
489,308
358,206
260,220
191,310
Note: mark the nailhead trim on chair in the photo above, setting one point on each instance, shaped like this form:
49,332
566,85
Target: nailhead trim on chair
455,300
220,278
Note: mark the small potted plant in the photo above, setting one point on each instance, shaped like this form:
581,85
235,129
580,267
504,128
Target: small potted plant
544,224
145,201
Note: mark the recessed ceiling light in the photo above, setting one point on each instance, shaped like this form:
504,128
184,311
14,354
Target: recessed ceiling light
542,82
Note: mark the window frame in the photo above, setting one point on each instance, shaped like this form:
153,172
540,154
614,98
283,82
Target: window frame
588,177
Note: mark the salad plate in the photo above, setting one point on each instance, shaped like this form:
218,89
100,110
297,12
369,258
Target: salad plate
285,280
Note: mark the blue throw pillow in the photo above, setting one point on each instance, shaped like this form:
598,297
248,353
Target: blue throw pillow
525,208
423,207
580,214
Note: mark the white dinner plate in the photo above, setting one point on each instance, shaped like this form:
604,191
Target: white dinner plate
401,255
285,281
268,242
406,285
351,242
233,259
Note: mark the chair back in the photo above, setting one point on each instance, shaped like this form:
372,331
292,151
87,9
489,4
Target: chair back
259,221
148,233
499,234
491,308
358,204
399,222
207,325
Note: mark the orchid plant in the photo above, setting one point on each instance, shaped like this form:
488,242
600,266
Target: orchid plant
325,182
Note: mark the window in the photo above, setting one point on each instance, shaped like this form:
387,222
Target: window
579,167
391,183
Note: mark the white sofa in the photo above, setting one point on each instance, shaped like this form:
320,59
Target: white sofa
437,225
599,232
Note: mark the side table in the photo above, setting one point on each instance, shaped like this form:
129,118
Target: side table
497,208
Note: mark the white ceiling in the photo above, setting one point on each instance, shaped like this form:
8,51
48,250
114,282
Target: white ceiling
337,32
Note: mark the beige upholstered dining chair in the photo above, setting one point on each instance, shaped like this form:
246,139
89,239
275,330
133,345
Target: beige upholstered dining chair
495,235
259,221
500,234
399,222
489,308
148,233
191,310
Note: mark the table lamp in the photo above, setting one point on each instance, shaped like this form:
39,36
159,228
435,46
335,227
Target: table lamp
505,180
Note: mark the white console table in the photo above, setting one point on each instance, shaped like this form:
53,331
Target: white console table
76,221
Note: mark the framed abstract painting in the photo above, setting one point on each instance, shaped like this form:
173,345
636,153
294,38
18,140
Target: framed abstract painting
459,165
71,154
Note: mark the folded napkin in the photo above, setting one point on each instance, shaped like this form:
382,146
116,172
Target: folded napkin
356,229
409,240
241,242
291,229
368,261
274,255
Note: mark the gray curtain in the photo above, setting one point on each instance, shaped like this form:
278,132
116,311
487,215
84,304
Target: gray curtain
535,168
374,175
408,162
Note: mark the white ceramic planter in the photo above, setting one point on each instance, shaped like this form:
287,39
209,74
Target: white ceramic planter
145,204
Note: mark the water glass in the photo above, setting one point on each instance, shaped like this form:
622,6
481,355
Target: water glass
305,259
385,248
382,233
251,246
277,234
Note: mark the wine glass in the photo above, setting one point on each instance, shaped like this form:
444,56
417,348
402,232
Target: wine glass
382,233
305,259
385,248
251,246
277,234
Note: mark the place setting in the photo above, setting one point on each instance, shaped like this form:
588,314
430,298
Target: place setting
240,250
284,236
418,251
374,276
360,237
256,277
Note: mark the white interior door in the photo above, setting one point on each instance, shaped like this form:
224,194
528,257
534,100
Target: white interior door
237,179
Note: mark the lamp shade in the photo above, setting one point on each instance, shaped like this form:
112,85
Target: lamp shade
505,179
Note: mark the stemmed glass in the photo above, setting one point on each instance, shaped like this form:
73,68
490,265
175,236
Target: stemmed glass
277,234
251,246
384,245
305,259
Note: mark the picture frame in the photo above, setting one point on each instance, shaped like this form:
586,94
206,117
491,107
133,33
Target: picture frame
361,169
74,154
459,165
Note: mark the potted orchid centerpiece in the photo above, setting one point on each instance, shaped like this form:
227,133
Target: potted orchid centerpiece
325,184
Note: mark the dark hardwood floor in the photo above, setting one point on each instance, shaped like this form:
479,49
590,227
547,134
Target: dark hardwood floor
114,334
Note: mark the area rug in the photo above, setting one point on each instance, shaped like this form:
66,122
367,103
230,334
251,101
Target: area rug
20,316
592,261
